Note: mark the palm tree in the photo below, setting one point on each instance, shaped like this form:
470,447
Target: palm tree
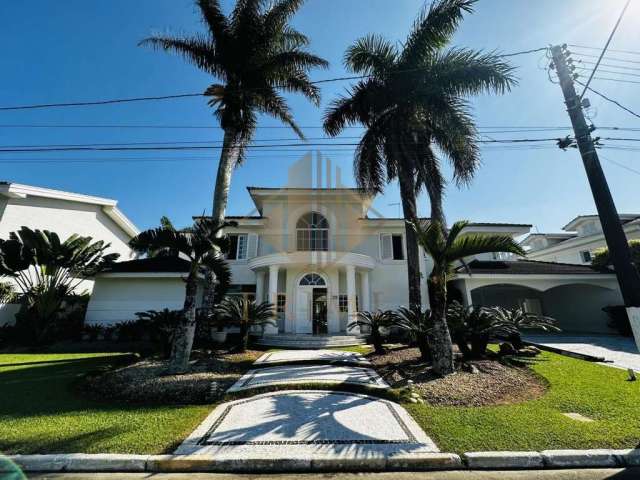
246,313
203,246
375,322
46,271
252,54
446,249
412,99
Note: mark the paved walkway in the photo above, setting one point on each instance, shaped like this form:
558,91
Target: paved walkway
617,351
302,424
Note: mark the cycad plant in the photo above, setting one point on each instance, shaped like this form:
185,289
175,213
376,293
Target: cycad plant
161,326
522,320
245,313
204,248
446,249
375,321
414,98
418,325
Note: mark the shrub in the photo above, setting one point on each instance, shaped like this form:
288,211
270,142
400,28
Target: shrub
246,314
375,322
418,325
160,326
618,319
601,258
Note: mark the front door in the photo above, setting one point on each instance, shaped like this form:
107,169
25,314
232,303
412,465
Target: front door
319,311
303,310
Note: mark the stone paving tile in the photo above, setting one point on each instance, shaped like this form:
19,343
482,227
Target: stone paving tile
318,356
618,351
307,374
308,424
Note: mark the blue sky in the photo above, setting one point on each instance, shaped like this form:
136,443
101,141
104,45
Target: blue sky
79,50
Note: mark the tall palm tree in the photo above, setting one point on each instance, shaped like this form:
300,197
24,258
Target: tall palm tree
202,245
253,54
445,250
412,100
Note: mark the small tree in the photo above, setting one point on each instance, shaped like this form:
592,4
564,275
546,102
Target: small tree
445,249
203,247
602,259
46,271
418,325
375,321
161,325
246,313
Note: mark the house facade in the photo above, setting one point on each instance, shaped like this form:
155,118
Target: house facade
65,213
578,241
320,255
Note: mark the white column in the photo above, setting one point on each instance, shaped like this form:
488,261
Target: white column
273,295
351,299
366,293
259,286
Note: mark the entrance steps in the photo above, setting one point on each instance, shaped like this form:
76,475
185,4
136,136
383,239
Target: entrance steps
309,342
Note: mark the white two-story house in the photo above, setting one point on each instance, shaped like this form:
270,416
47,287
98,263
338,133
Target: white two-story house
320,255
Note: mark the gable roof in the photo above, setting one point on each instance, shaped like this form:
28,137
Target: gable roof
162,264
109,206
529,267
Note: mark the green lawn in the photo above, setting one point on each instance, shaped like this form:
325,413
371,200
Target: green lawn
40,413
596,391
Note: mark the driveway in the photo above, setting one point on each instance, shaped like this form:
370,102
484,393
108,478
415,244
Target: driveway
617,351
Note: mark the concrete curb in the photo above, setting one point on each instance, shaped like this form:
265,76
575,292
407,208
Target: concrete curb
551,459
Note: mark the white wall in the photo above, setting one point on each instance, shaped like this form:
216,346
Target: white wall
118,299
65,218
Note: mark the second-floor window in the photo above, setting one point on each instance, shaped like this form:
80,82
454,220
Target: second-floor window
312,232
586,256
237,246
391,246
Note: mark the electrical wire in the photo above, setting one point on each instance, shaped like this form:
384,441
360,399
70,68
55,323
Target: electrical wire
606,45
187,95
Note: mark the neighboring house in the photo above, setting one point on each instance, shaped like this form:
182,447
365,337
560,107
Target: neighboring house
65,213
320,257
581,237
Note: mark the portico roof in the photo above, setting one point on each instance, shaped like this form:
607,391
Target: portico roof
529,267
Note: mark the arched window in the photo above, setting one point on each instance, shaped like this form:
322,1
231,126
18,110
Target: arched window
312,232
312,279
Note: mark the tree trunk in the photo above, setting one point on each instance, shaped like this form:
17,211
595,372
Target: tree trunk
376,339
410,210
441,346
228,160
185,332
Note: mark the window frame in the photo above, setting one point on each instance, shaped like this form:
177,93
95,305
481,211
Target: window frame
240,247
311,237
392,258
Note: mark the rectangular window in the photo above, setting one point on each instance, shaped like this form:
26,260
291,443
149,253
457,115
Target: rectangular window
391,247
585,256
237,246
343,304
282,303
398,253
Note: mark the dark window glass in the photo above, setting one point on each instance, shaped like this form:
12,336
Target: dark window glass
233,247
397,247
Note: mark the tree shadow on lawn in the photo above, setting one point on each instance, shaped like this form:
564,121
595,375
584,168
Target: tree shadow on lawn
72,443
51,388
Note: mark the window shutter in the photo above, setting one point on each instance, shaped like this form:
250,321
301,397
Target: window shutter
386,246
252,245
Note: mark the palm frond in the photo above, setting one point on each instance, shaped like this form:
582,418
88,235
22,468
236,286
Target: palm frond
215,19
433,29
197,50
471,244
372,54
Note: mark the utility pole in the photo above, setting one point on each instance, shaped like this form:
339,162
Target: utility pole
626,272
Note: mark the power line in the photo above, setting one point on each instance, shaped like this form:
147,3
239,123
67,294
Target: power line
621,67
612,71
606,45
619,80
608,59
621,165
187,95
615,102
630,52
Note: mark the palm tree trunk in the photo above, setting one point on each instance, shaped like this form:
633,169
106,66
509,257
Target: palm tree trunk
183,339
228,160
441,346
410,210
